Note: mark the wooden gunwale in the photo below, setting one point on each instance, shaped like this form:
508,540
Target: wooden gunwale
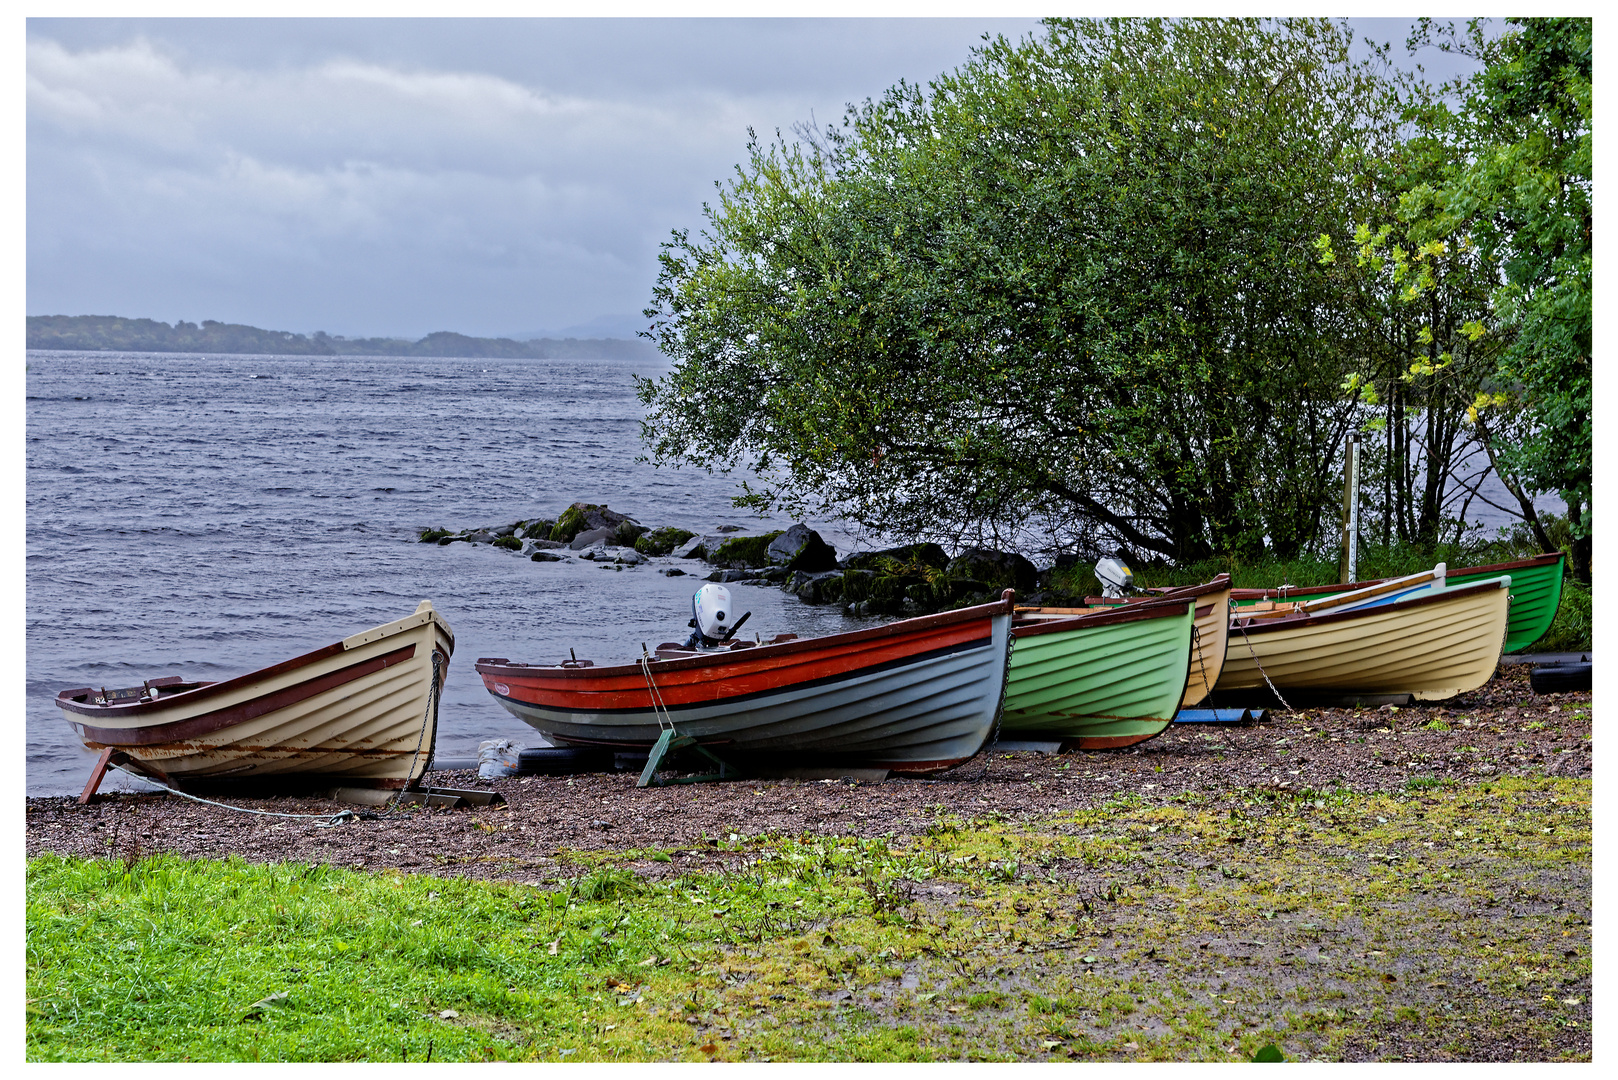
1492,569
1217,583
1161,609
750,658
1292,622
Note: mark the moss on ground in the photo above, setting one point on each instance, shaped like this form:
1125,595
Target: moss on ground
1442,922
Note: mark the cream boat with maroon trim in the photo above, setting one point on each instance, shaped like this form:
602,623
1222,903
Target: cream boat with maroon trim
363,710
1443,641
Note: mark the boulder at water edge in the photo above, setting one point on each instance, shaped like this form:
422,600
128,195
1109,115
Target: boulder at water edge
997,569
801,548
592,537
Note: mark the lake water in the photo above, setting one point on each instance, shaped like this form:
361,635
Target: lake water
208,515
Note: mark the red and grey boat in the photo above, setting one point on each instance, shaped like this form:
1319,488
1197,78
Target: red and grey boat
914,696
361,711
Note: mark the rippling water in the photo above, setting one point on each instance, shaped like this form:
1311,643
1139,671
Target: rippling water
208,515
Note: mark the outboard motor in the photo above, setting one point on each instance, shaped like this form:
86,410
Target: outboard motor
711,620
1116,578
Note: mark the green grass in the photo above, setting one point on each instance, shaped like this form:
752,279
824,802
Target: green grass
1440,919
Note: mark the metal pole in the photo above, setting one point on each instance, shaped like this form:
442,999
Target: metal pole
1353,508
1348,513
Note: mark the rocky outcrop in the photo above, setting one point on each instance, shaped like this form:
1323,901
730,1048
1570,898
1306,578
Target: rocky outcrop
593,517
905,555
910,579
591,537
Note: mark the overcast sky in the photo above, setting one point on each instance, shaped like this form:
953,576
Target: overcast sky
396,177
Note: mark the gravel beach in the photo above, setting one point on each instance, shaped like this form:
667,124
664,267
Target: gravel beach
1504,729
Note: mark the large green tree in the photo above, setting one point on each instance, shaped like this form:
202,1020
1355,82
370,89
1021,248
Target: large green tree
1524,192
1073,281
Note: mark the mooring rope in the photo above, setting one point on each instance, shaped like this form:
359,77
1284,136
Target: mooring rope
660,708
430,716
1260,666
328,819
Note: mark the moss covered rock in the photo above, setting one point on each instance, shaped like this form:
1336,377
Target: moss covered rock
919,555
661,541
740,552
581,517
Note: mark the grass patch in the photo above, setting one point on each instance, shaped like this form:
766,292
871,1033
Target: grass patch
1443,921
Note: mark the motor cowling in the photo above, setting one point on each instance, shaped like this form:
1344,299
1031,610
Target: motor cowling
1115,576
712,617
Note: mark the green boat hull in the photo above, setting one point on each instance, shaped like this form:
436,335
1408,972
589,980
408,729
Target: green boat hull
1536,592
1101,683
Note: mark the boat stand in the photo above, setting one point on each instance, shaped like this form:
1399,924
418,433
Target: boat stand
666,744
113,756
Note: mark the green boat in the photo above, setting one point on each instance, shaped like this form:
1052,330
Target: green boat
1102,680
1536,591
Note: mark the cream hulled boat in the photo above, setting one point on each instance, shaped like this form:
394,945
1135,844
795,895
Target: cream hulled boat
1418,636
363,710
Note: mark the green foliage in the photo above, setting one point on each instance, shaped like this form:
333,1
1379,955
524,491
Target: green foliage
1526,193
1071,281
661,541
1427,339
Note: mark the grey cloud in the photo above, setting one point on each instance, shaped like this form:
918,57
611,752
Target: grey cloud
404,176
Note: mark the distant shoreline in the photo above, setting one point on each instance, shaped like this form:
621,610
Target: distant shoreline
112,333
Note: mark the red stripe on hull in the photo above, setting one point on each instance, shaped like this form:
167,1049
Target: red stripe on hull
753,671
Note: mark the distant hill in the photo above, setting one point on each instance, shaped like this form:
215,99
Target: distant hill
110,333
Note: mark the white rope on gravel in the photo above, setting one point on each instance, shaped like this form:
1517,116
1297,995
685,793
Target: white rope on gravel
327,820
